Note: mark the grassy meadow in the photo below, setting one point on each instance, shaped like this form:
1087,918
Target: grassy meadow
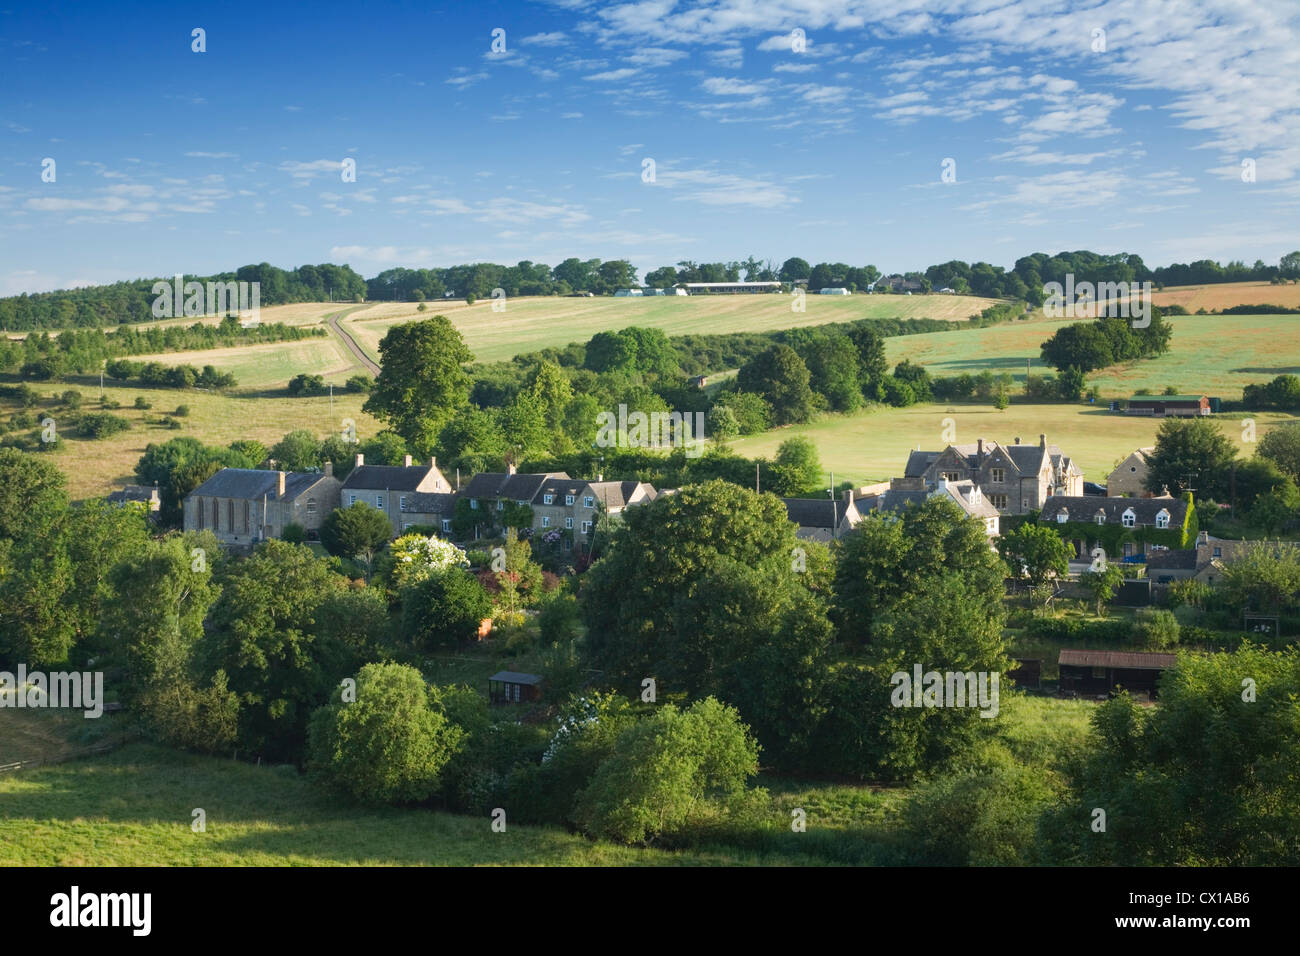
529,324
215,418
873,446
133,807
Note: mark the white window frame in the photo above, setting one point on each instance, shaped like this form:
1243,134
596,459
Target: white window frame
473,503
446,524
568,499
999,475
501,504
568,523
379,502
1062,516
1129,519
401,503
548,499
586,527
546,521
588,501
352,499
1162,519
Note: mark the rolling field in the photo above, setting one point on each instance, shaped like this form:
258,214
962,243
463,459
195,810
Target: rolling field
98,467
1210,354
873,446
530,324
270,365
1227,294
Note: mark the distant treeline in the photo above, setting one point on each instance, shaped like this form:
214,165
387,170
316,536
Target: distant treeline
82,351
125,302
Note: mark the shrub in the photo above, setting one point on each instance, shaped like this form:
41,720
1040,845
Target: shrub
305,384
390,744
71,398
360,383
294,533
182,411
1155,628
97,425
142,402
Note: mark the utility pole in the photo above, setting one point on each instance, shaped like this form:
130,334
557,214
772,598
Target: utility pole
756,491
331,401
835,510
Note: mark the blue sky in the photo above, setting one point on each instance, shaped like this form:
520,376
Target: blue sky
172,161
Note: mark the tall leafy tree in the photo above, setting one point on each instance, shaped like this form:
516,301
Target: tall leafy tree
780,376
1191,453
358,531
422,382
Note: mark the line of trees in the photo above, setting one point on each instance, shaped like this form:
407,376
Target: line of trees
125,302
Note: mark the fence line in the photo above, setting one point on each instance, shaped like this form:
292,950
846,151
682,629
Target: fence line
60,758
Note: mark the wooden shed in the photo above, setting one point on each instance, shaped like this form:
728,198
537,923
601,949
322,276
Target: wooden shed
1102,672
1028,672
512,687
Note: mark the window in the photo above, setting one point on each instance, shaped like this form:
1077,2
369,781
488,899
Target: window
311,506
546,521
516,687
1218,552
998,501
588,501
1128,549
473,503
547,499
379,502
1133,468
501,505
401,503
999,475
568,545
1129,518
521,503
246,514
230,514
198,507
446,524
568,522
1162,519
1062,516
586,527
1024,502
1100,519
951,476
352,499
216,515
568,499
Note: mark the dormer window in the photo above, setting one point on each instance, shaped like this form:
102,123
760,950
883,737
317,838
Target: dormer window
1162,519
547,499
568,499
1129,518
1101,517
1062,516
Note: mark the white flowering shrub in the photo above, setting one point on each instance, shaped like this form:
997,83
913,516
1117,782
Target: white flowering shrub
417,557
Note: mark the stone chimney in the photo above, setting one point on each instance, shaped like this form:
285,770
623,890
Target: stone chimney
361,460
510,468
848,496
979,454
279,489
329,469
407,461
1042,440
600,476
1202,538
433,462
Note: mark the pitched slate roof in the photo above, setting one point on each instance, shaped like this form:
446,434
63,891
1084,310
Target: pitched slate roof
391,477
1130,660
619,494
814,512
500,484
431,503
252,483
1173,560
1085,508
134,493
